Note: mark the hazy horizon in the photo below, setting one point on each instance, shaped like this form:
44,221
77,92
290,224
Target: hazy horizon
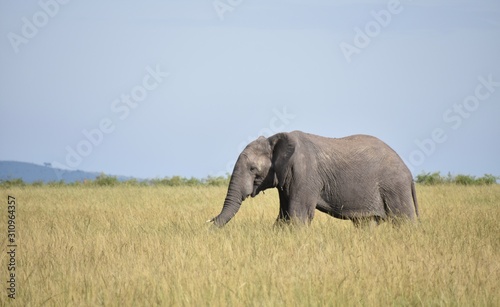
162,88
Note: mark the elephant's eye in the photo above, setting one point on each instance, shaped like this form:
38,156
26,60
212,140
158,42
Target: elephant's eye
253,169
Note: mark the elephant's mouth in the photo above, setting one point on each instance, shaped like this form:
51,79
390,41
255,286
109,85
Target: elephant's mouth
256,185
255,191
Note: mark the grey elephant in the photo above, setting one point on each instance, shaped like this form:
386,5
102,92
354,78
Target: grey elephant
357,178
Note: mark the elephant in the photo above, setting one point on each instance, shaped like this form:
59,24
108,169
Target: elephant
357,178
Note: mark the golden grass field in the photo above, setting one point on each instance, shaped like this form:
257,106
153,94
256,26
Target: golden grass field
148,246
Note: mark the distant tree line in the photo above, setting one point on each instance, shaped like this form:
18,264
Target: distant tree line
104,180
437,178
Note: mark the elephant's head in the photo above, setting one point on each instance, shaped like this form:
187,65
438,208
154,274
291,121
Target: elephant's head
263,164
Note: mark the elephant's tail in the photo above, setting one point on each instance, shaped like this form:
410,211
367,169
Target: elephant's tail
414,195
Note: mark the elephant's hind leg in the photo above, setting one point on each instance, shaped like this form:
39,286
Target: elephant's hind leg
398,205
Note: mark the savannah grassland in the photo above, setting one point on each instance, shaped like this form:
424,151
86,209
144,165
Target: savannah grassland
147,246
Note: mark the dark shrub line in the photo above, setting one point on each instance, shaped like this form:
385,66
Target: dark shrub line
437,178
104,180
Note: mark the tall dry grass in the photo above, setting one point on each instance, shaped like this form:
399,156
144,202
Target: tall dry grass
144,246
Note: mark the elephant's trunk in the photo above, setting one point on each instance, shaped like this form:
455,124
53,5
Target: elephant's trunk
232,203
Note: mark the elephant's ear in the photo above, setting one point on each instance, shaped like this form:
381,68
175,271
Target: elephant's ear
283,145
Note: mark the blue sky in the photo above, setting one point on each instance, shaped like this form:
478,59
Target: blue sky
162,88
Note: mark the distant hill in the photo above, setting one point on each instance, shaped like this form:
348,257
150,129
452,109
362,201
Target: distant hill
30,172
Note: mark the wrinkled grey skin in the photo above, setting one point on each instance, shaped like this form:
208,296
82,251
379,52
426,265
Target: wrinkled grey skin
359,178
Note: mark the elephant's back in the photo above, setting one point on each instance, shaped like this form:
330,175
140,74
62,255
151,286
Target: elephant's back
362,145
355,142
361,152
369,155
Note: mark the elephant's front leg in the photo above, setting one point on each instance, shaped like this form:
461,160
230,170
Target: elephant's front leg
301,211
295,208
283,215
